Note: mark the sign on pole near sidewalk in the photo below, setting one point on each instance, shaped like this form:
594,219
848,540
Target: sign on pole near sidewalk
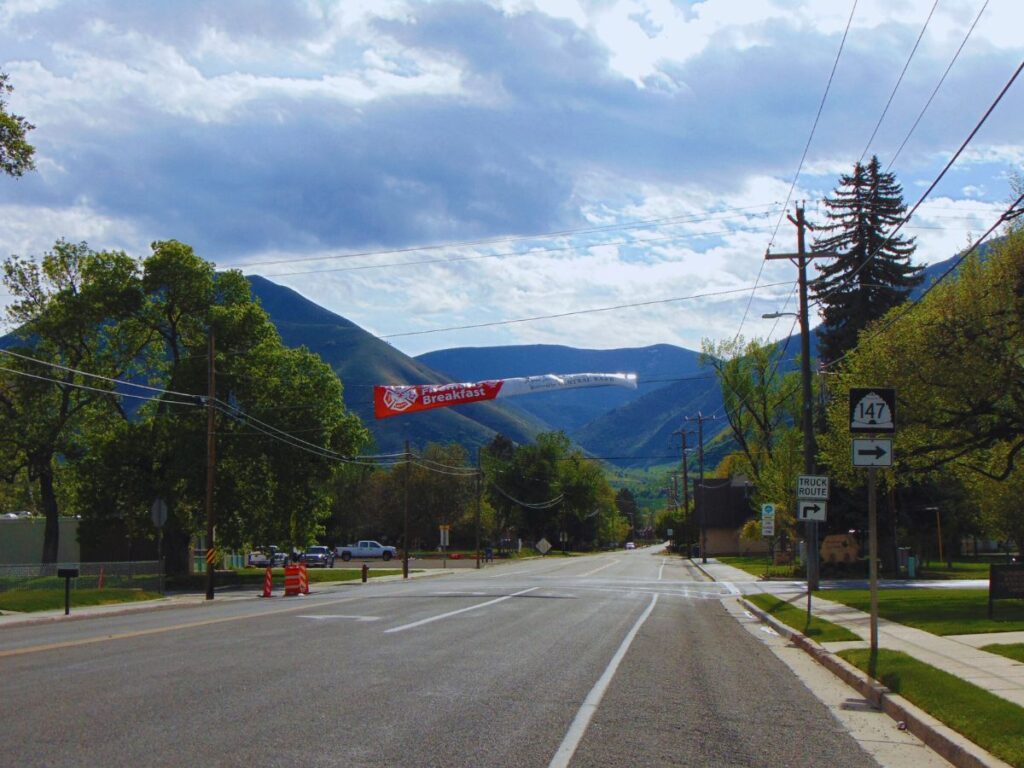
873,409
810,510
812,487
767,519
872,453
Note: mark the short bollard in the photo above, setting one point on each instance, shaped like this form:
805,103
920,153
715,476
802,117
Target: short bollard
366,572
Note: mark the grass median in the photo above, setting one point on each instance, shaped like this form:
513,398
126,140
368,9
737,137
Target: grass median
991,722
819,630
758,566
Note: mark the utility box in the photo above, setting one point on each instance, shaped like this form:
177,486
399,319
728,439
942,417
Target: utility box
840,548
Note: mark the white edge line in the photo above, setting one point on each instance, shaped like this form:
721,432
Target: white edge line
586,712
421,622
662,569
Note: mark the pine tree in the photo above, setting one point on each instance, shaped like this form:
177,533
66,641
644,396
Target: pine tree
872,273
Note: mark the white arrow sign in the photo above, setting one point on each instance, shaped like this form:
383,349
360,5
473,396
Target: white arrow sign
810,510
872,453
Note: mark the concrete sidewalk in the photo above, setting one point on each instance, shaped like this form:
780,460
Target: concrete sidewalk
959,655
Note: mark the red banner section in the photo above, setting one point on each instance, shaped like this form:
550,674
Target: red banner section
394,400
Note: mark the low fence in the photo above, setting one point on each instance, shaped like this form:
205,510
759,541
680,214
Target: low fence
125,575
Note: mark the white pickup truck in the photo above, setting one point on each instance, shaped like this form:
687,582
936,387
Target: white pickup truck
366,548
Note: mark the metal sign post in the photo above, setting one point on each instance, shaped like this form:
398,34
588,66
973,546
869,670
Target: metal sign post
872,410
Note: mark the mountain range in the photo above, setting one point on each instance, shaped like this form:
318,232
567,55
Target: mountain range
628,427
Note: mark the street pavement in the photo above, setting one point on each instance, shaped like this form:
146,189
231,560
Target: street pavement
618,659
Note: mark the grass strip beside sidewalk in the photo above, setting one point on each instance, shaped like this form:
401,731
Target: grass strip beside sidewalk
992,723
32,600
939,611
819,630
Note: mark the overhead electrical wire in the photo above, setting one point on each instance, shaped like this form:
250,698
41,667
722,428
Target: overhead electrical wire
114,393
709,294
531,252
899,80
937,87
799,168
690,218
956,155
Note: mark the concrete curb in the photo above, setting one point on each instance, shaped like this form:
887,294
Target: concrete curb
949,744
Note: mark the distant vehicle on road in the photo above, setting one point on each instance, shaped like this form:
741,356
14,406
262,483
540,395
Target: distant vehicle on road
630,545
366,548
318,557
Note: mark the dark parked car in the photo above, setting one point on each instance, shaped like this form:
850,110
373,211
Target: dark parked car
318,557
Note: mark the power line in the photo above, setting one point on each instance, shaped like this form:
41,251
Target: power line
938,86
193,402
931,187
680,219
709,294
898,81
531,252
800,166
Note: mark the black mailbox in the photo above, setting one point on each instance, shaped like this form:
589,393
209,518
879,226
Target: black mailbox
67,574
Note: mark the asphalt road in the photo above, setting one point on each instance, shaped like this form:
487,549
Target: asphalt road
621,659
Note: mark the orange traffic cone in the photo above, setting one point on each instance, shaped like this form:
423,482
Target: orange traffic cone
304,579
268,584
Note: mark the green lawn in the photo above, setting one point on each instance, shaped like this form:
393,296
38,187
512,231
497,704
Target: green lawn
962,569
757,565
939,611
30,600
794,616
1013,651
989,721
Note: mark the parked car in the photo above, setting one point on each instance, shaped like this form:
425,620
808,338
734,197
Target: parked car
630,545
279,559
318,557
258,560
366,548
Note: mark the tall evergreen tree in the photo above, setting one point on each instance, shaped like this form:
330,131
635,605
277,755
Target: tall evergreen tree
873,272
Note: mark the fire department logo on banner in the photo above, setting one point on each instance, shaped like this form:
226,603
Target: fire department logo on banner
401,398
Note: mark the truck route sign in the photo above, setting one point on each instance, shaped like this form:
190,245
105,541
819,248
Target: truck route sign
812,487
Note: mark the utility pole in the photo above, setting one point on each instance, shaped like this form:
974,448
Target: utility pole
211,460
700,419
801,258
405,515
686,480
479,486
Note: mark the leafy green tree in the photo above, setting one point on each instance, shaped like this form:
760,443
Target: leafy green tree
762,405
954,360
873,272
15,151
625,502
76,311
279,415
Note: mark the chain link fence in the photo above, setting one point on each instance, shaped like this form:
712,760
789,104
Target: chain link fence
144,574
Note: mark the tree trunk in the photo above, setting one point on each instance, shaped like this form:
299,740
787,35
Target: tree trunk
48,499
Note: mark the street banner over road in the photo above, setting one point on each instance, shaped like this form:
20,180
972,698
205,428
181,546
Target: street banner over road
393,400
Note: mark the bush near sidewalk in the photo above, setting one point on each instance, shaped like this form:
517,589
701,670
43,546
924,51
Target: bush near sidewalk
992,723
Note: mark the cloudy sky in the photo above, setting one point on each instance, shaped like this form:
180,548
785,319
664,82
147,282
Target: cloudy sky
419,167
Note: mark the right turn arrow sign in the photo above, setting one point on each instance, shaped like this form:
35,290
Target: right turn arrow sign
872,453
